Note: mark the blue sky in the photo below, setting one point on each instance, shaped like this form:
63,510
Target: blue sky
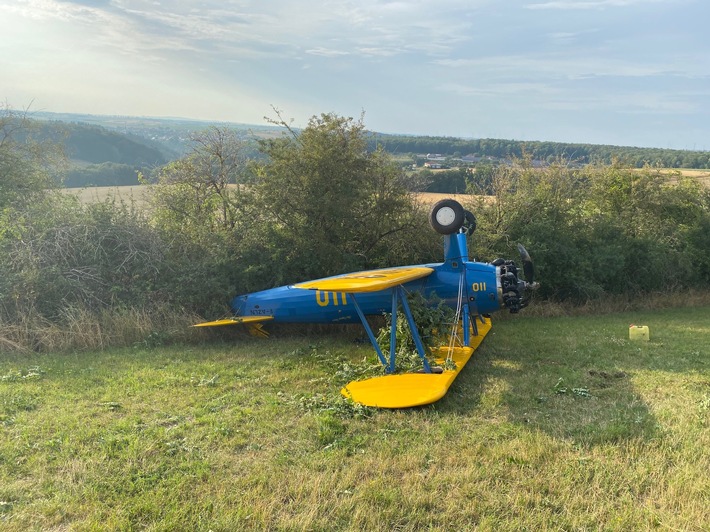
628,72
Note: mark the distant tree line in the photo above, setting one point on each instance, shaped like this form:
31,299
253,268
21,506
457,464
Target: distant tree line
317,202
97,156
544,151
103,174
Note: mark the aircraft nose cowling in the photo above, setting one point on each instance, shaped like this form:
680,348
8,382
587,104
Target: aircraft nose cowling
513,292
511,288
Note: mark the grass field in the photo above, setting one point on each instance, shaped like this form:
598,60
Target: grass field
556,423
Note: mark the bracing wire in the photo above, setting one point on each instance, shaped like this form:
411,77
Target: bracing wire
454,337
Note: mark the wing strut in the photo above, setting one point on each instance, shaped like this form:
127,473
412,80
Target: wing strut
398,295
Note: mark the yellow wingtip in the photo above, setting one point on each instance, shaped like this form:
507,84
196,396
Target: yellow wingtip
234,321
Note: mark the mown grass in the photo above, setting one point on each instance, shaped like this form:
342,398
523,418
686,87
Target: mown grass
556,423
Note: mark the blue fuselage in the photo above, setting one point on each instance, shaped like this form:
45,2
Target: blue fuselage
479,284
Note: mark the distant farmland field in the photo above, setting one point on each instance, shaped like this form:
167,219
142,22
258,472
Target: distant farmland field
128,194
701,175
138,193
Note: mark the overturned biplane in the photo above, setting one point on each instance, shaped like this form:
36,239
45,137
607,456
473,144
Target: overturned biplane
473,289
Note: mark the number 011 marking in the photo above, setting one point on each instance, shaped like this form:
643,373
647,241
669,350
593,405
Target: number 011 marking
323,298
478,287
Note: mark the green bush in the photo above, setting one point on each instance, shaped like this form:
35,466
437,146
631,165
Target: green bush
319,203
601,229
58,253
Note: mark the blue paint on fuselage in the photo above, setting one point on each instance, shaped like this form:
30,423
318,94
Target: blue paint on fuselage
296,305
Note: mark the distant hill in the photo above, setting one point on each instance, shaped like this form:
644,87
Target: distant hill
110,150
171,134
100,157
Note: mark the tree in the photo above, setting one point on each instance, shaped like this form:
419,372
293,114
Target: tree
335,205
447,181
205,188
27,167
205,210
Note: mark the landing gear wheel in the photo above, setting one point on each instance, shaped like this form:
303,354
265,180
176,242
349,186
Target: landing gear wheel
447,216
470,222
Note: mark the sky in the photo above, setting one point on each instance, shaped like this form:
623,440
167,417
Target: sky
624,72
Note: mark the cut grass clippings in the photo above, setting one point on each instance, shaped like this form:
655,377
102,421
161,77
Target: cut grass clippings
556,423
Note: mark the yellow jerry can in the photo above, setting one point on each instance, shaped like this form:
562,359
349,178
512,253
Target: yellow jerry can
639,332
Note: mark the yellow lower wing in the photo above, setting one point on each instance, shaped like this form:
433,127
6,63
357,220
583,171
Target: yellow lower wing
367,281
414,389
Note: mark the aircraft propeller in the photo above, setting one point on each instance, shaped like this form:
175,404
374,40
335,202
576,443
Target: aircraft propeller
529,272
528,268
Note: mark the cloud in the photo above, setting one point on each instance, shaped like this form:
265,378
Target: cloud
487,90
379,52
444,59
579,66
592,4
635,102
323,52
280,27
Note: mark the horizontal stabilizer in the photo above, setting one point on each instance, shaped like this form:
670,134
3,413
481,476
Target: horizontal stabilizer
367,281
234,321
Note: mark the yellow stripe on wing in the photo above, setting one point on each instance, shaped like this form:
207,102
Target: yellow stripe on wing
367,281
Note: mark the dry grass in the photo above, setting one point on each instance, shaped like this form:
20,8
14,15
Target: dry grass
703,176
80,329
138,194
621,303
430,198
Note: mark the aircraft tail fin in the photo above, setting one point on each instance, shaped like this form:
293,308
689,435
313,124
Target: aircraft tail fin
257,329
